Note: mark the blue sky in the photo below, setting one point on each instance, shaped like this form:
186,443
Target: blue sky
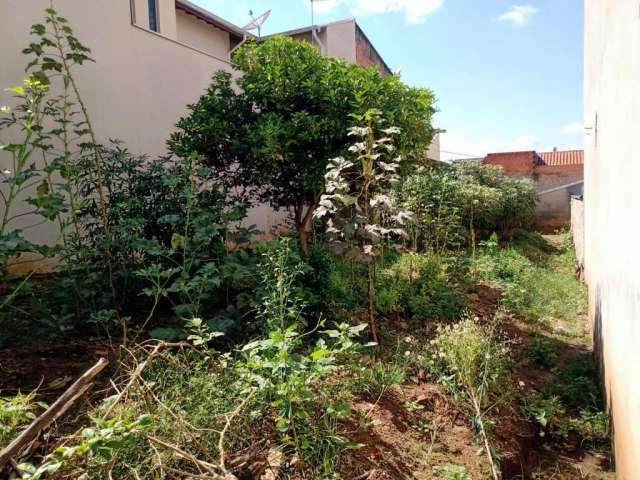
507,75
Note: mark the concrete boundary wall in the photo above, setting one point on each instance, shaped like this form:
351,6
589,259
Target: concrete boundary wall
612,212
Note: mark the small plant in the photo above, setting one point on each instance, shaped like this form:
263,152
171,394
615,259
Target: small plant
374,381
548,413
15,412
454,472
97,446
544,352
472,365
307,410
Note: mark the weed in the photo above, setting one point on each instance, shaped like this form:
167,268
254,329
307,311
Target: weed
374,381
548,413
15,412
471,364
454,472
544,351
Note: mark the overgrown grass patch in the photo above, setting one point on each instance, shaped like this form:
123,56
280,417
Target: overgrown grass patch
542,291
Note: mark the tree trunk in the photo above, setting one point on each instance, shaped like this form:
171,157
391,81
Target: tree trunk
370,318
303,223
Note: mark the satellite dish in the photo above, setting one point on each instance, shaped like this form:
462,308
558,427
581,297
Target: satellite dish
256,23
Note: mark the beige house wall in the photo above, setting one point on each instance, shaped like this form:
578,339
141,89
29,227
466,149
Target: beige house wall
138,87
341,40
193,31
612,206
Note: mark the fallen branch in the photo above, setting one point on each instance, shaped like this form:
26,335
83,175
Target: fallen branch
229,420
214,471
55,411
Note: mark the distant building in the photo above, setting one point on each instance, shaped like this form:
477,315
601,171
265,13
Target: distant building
557,176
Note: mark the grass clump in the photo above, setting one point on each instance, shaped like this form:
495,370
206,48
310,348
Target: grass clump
468,360
374,381
542,290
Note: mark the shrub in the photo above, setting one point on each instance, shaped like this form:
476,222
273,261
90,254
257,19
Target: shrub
420,287
469,362
276,133
454,204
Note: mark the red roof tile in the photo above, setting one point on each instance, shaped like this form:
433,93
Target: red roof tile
560,158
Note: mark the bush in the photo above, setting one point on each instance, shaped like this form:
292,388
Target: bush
469,362
450,200
419,287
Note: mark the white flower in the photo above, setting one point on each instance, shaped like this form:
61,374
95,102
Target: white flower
407,353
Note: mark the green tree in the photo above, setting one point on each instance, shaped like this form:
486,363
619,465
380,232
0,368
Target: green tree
274,134
362,214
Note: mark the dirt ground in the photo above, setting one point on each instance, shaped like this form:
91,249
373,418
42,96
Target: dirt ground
412,432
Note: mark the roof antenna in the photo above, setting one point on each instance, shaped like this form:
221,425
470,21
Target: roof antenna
257,22
312,2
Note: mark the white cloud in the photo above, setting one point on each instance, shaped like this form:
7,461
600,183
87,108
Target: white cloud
415,11
460,146
518,14
573,128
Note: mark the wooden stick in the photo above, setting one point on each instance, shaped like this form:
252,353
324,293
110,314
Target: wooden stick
56,410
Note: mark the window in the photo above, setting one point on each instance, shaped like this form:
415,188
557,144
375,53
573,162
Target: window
153,15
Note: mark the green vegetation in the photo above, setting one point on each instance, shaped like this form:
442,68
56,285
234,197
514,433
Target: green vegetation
16,412
538,286
454,205
469,362
239,357
276,133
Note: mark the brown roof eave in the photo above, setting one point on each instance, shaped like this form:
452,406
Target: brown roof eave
236,33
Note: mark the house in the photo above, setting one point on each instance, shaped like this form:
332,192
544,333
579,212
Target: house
612,213
557,176
154,57
343,39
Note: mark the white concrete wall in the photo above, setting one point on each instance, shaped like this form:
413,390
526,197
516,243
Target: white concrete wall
612,211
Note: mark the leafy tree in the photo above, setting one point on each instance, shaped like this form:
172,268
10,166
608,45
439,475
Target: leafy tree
361,212
275,133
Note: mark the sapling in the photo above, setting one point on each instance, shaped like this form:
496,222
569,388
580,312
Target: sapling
361,213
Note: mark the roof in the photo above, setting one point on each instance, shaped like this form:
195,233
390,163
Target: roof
560,158
210,18
310,28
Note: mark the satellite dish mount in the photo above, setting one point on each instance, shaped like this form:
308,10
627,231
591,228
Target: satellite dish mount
257,22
